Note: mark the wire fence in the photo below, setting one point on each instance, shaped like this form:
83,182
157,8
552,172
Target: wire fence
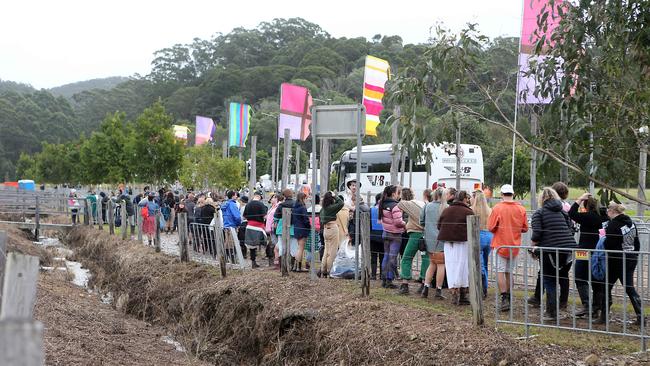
209,242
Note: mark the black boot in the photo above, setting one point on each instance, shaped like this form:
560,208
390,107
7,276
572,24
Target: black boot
462,299
425,292
636,304
404,289
421,288
583,292
383,283
439,295
505,302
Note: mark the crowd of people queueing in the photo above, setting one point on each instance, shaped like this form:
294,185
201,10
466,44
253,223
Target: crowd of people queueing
401,226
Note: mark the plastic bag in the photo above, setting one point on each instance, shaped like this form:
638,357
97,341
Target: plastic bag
343,266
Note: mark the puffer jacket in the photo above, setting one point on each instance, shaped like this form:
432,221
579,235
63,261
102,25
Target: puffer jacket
552,226
391,217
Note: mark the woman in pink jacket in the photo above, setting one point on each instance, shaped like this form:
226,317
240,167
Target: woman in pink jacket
391,219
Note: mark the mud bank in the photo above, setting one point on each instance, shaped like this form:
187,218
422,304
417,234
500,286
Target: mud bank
258,317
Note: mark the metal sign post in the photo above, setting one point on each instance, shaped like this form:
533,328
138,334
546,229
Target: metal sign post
338,122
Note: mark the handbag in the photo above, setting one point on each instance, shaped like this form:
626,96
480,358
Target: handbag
422,244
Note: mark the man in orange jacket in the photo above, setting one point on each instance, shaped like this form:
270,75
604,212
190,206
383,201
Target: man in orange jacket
507,221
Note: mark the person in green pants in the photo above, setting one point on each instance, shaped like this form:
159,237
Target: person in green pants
412,207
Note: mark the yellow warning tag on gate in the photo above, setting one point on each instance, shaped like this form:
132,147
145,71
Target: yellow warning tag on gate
582,255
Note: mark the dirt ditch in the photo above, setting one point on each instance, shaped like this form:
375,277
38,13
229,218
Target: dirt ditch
81,330
258,317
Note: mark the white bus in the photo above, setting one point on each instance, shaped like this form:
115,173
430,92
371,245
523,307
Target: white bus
376,161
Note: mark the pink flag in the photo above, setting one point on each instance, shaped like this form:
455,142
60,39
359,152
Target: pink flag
295,105
530,34
204,128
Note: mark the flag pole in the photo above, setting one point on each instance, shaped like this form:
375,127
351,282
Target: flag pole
514,132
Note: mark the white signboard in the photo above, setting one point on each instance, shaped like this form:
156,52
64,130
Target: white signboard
338,121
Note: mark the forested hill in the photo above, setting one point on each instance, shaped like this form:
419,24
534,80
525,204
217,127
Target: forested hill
68,90
200,78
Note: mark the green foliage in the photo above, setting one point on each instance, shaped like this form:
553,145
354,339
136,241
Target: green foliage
231,173
522,171
155,154
104,157
597,72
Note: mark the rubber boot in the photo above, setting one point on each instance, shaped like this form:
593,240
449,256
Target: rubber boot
404,289
421,288
425,292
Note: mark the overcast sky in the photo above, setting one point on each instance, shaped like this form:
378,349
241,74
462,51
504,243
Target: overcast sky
48,43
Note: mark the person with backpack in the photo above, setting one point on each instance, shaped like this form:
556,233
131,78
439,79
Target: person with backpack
167,211
552,232
621,236
391,219
130,212
148,208
590,222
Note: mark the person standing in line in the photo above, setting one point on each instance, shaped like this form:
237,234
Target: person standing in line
270,232
507,222
255,236
552,232
148,208
330,207
231,221
130,212
622,237
73,203
376,241
435,248
412,208
287,202
301,228
391,220
452,227
590,223
482,210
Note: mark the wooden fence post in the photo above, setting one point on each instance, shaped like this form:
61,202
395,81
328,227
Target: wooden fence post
19,286
286,241
365,246
37,220
110,215
3,259
86,212
157,237
218,242
100,215
138,218
125,221
21,342
475,283
182,236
